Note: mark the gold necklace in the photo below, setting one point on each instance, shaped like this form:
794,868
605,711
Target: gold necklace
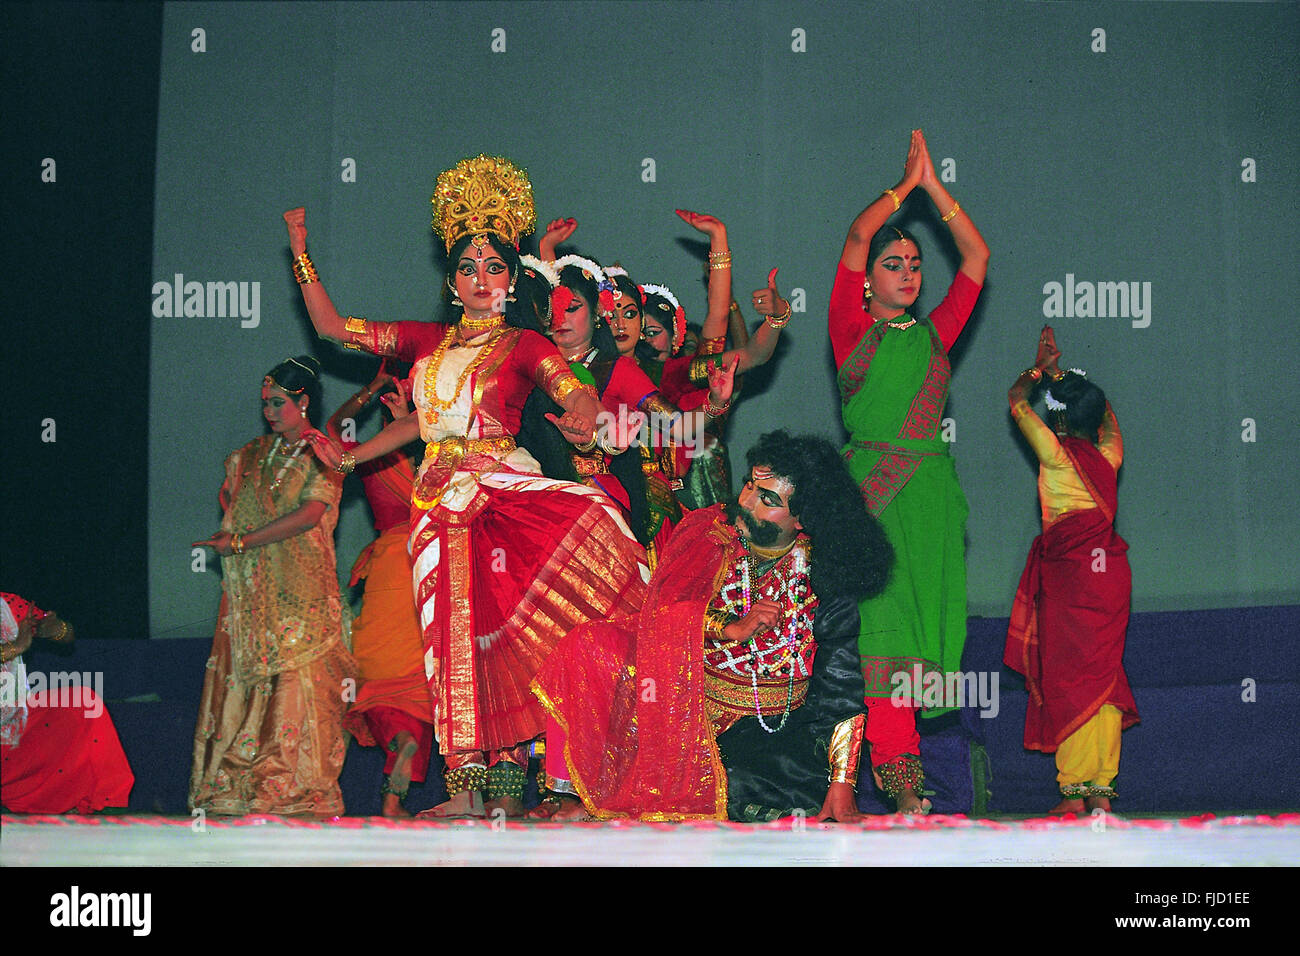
479,326
431,397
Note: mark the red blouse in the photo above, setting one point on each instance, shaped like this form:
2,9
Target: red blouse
849,319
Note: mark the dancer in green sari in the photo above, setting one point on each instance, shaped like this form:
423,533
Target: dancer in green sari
893,380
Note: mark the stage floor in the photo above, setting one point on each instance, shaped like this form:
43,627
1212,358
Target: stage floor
882,841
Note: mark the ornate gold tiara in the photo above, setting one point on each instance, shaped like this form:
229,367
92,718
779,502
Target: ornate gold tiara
480,195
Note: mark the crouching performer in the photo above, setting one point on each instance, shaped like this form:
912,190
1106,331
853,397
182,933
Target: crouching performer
737,689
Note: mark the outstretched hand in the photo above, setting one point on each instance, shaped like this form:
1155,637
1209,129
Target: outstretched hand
219,542
576,428
325,448
296,220
767,301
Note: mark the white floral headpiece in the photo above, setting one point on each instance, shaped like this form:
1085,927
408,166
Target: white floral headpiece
543,269
1052,403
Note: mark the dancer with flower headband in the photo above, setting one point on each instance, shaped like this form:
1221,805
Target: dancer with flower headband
893,380
1072,605
270,731
581,298
505,561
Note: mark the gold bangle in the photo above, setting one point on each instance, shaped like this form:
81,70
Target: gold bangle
894,196
716,411
781,321
587,446
1034,372
724,254
304,271
236,543
956,208
720,264
1057,377
347,462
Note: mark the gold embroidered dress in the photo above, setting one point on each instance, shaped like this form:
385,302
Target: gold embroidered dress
270,732
505,561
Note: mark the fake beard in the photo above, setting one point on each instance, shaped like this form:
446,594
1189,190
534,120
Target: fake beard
762,533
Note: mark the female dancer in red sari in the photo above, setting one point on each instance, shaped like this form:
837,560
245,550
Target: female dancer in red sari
505,561
1071,612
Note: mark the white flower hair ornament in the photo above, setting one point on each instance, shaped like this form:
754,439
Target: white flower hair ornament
1052,403
679,314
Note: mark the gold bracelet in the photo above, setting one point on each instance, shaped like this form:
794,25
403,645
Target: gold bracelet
1034,372
724,254
368,396
1057,377
781,321
304,271
347,461
716,411
894,196
236,543
720,264
956,208
587,446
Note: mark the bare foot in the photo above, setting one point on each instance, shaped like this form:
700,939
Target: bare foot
572,812
392,807
1067,806
513,806
465,804
908,802
1097,803
546,809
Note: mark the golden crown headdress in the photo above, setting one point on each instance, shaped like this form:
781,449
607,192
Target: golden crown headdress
483,194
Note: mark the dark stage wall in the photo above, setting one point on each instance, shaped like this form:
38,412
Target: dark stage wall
1147,144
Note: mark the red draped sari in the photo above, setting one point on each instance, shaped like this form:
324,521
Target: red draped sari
1071,613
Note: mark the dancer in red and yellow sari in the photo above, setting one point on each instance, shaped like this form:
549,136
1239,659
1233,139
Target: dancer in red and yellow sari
505,561
1072,606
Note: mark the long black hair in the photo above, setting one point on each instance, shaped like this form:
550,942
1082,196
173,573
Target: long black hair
851,555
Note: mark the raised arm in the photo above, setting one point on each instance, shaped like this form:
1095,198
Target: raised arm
557,231
869,221
324,317
971,247
715,320
353,406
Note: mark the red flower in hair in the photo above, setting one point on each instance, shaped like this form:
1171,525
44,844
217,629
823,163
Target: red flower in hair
560,299
642,291
679,329
606,301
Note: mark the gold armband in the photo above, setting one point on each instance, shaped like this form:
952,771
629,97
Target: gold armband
357,326
846,749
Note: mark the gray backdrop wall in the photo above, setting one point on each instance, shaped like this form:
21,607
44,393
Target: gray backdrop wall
1148,143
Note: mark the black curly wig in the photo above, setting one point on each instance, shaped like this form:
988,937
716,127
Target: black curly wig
852,557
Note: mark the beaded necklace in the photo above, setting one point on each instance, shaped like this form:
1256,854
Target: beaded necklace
431,397
792,586
902,325
299,445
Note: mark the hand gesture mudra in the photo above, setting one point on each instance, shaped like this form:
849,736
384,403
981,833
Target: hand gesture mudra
767,301
296,220
1048,353
557,231
722,378
709,225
